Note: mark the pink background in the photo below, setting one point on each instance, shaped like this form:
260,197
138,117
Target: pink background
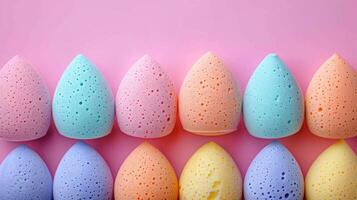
116,33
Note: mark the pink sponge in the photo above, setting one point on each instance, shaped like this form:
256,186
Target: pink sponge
146,102
25,108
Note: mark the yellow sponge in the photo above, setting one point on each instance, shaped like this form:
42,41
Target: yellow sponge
210,174
333,175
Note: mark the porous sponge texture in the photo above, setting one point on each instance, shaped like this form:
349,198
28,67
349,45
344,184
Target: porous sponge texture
83,104
25,102
273,102
210,174
146,174
83,174
333,175
274,174
209,100
331,108
24,175
146,102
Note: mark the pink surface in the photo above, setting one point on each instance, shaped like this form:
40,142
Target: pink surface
176,33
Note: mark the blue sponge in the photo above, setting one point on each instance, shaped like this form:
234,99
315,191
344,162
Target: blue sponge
273,105
82,174
24,175
274,174
83,105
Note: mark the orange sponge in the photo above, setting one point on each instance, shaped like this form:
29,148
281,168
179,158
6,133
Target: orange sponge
210,100
331,100
146,174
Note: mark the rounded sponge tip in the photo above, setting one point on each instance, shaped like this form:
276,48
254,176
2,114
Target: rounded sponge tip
331,108
25,102
146,174
210,99
211,173
83,104
146,103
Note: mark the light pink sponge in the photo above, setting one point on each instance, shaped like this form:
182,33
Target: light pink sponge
25,109
146,103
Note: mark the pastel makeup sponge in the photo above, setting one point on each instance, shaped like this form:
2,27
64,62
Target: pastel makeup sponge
331,100
82,174
24,175
83,105
146,174
25,102
273,103
146,102
274,174
210,173
210,100
333,175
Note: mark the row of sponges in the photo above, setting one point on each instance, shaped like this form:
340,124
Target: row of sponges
210,101
209,174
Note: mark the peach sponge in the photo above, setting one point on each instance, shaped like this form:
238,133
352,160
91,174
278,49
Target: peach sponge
331,100
146,174
210,100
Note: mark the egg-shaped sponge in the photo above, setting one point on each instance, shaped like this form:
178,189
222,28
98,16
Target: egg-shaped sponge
82,174
274,174
331,108
146,102
273,103
333,175
83,104
209,100
210,173
24,175
146,174
25,102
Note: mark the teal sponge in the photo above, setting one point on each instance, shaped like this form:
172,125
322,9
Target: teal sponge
83,105
273,104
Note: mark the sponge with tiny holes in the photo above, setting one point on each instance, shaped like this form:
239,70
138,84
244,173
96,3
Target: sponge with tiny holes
331,100
25,102
274,174
146,174
24,175
211,173
83,105
273,102
146,102
82,174
333,175
209,100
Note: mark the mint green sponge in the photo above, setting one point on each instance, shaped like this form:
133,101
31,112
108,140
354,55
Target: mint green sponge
273,105
83,105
